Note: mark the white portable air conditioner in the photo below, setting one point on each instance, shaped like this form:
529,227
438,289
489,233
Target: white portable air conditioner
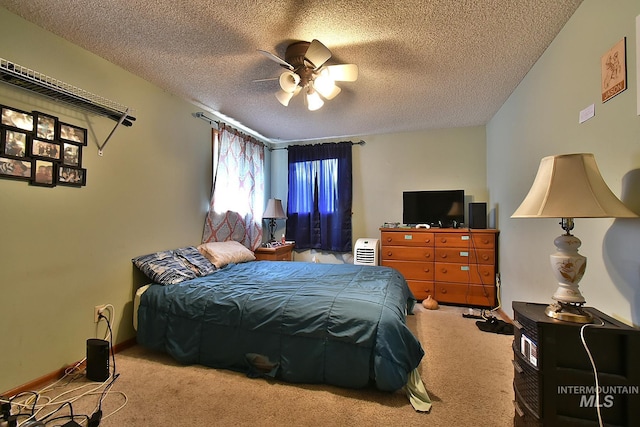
366,251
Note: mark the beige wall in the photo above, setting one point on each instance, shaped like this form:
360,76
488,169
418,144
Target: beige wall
64,250
541,118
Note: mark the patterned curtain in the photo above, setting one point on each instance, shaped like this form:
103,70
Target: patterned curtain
237,199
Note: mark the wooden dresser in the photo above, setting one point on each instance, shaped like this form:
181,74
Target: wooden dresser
456,266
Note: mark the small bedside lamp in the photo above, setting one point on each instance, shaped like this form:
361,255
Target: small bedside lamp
274,211
570,186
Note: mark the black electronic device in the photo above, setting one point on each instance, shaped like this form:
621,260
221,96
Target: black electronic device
97,359
438,208
477,215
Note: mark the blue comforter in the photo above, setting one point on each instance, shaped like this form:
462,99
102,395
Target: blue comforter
338,324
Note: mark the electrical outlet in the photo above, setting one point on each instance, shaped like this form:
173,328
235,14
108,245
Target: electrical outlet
97,310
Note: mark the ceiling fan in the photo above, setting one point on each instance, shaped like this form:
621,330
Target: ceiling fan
306,71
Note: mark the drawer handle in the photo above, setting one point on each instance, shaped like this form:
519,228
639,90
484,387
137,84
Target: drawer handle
389,239
444,270
389,253
517,367
443,256
444,291
427,256
426,270
443,240
485,257
427,240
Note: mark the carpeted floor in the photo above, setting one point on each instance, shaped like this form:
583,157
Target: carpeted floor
467,372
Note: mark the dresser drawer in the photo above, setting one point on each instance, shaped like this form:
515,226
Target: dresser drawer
453,240
483,240
412,269
479,274
407,238
420,289
465,256
405,253
462,293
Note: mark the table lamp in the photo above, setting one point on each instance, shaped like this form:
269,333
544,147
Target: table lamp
274,211
570,186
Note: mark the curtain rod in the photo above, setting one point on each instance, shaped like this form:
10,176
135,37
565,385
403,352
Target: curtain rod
361,142
264,141
201,115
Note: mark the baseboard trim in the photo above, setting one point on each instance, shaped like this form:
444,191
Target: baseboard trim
56,375
504,316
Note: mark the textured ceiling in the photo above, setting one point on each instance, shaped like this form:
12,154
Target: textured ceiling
423,64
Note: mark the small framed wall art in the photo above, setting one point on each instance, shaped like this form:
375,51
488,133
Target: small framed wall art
17,119
15,169
14,143
614,70
72,133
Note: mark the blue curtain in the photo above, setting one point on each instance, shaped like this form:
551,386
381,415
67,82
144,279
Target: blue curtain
320,196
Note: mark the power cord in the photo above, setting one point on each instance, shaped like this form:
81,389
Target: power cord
32,405
593,365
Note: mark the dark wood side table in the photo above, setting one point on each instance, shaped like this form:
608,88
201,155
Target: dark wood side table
276,253
554,382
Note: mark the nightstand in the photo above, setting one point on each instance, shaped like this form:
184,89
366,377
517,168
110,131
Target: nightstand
554,382
276,253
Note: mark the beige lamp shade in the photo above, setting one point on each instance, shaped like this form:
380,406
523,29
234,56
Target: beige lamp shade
274,210
570,186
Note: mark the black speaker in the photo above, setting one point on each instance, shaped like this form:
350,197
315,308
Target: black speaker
477,215
97,359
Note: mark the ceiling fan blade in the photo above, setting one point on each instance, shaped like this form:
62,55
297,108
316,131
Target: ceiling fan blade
343,72
273,57
265,80
317,53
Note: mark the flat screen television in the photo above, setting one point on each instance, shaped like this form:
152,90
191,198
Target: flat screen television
443,208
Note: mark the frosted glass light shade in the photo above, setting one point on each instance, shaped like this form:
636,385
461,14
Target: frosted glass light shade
289,81
325,85
284,97
314,102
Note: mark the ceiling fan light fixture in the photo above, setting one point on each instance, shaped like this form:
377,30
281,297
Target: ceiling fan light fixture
313,100
284,97
289,81
325,85
327,91
343,72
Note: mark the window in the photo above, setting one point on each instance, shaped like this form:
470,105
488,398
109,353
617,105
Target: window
320,197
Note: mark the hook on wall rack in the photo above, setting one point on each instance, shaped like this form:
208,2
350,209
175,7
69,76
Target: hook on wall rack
31,80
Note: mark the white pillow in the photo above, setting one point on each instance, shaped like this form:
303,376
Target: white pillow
223,253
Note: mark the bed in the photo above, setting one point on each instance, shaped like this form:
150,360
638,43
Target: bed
300,322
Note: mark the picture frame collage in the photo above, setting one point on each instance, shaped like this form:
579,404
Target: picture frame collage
38,148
